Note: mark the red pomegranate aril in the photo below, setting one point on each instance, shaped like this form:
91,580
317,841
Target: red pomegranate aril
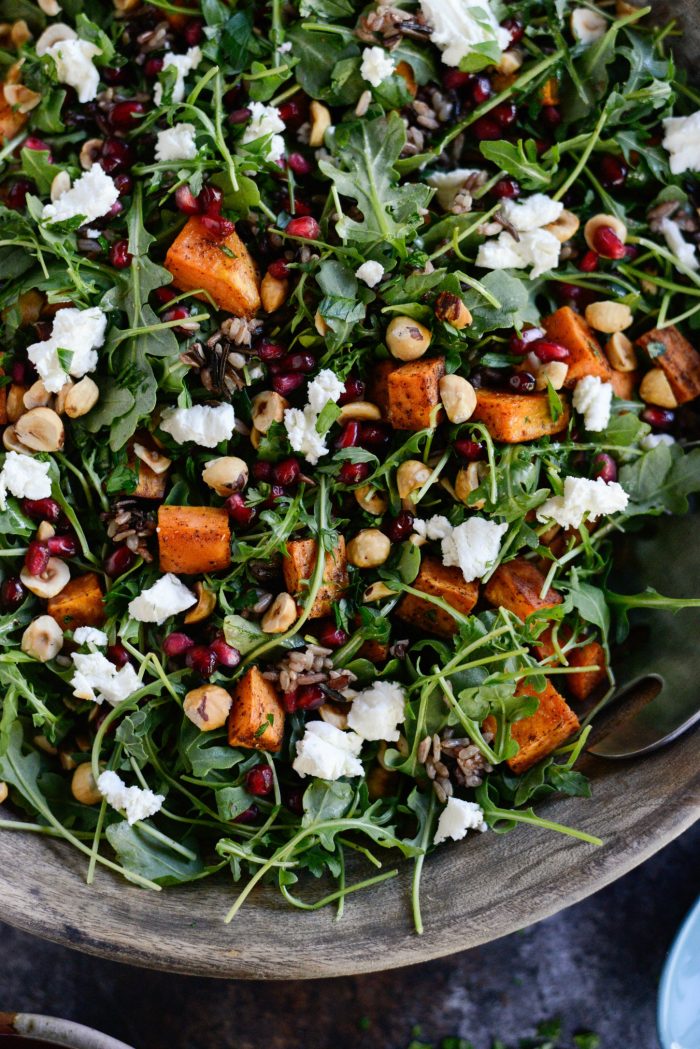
294,800
186,202
631,252
119,255
372,436
310,697
270,351
455,79
36,559
522,343
249,816
62,545
605,467
236,508
515,28
261,471
288,382
589,262
177,644
305,227
522,382
259,781
551,115
613,171
353,473
505,113
278,269
481,90
471,451
125,115
115,210
659,418
287,473
115,155
276,492
301,208
153,66
202,660
193,32
294,362
487,130
299,164
291,111
118,655
546,351
330,635
349,435
164,295
289,701
607,243
211,200
227,655
400,527
113,75
239,116
41,509
34,143
177,313
17,193
12,594
119,561
19,375
218,226
354,391
124,183
505,189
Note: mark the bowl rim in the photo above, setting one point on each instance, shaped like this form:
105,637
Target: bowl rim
59,1032
690,925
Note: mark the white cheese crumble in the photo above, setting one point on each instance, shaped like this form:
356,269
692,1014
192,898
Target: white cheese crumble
436,527
300,424
593,399
183,64
684,252
136,803
587,26
376,65
176,143
458,25
583,498
24,477
205,424
74,66
682,142
532,212
377,712
324,388
370,273
77,333
457,818
91,197
90,635
537,248
97,680
473,546
168,597
449,183
653,440
327,752
265,121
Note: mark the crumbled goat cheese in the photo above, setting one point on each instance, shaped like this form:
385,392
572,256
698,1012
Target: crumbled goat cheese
74,66
176,143
376,66
300,424
327,752
583,498
183,64
90,635
593,399
457,818
377,712
370,272
532,212
682,141
587,26
538,248
457,26
79,333
473,546
136,803
24,477
436,527
324,388
684,252
265,121
91,197
168,597
653,440
97,679
449,183
204,424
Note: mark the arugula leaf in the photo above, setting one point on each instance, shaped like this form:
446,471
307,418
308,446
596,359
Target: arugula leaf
661,479
516,303
521,161
140,854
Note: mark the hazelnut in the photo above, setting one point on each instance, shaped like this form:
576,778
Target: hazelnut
407,339
50,582
83,786
43,639
369,548
609,316
207,707
450,309
656,389
226,475
458,397
280,616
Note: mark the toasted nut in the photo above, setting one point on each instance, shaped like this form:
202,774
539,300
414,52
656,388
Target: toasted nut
3,792
622,8
320,122
320,324
124,6
43,639
42,743
226,475
45,531
458,397
620,352
154,459
82,398
89,152
207,707
407,339
255,437
41,429
411,475
333,715
597,222
451,310
50,7
363,411
206,603
21,98
553,371
656,389
268,408
67,762
468,479
587,26
273,292
11,442
510,61
369,499
50,582
15,406
83,786
565,227
608,316
377,592
59,185
405,71
60,402
54,35
20,34
369,549
280,615
30,306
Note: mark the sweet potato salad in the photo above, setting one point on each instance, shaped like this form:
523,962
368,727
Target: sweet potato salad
342,341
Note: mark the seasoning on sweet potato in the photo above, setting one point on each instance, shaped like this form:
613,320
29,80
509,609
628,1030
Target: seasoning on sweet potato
256,720
679,361
11,120
624,384
378,384
80,603
516,417
545,730
196,260
193,539
516,585
150,485
569,328
413,394
449,584
581,685
298,568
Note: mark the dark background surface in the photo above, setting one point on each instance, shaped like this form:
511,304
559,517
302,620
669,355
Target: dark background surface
596,965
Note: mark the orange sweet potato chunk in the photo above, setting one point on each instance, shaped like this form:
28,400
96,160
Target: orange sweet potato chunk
516,417
80,603
298,568
678,360
569,328
378,384
196,260
624,384
449,584
413,393
193,539
582,684
545,730
256,720
516,586
11,121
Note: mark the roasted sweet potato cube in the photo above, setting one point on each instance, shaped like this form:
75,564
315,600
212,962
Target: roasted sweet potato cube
586,356
545,730
439,580
298,568
582,684
624,384
414,394
678,360
80,603
378,384
516,585
193,539
11,121
516,417
150,485
224,269
256,720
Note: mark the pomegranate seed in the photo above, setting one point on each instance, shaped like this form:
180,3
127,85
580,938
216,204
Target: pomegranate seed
455,79
152,67
115,210
522,344
34,143
125,115
546,350
270,351
119,561
505,113
119,255
17,193
353,473
287,383
631,252
177,644
116,155
36,559
354,391
193,32
472,451
262,471
276,492
289,701
124,183
186,202
604,466
551,115
164,295
481,90
227,655
400,527
310,697
211,200
118,655
41,509
566,292
372,435
516,29
62,546
287,473
239,116
294,362
307,228
19,375
349,435
659,418
259,781
299,164
505,189
236,508
607,243
301,208
112,75
249,816
589,262
202,660
294,800
12,594
291,112
278,269
331,636
613,171
486,129
522,382
178,313
220,228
